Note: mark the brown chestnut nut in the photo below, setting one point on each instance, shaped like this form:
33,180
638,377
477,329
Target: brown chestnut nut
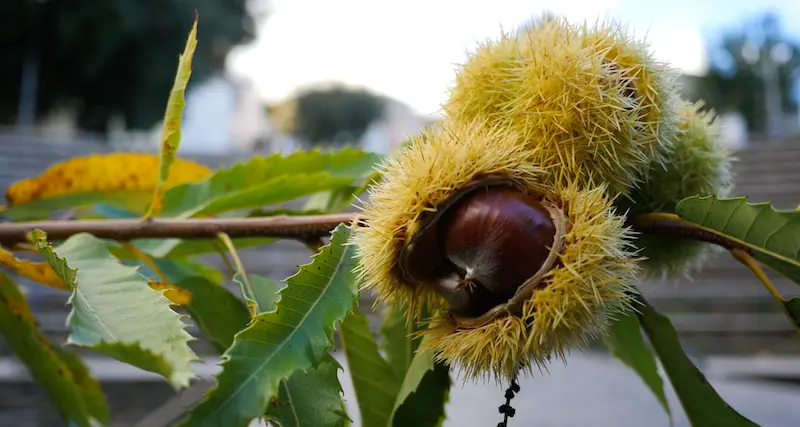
497,238
470,300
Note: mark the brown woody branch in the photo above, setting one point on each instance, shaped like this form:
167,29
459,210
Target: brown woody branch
304,228
309,228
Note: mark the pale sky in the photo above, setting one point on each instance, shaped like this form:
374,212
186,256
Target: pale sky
406,49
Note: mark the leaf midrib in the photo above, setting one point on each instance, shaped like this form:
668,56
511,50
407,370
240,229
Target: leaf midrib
284,341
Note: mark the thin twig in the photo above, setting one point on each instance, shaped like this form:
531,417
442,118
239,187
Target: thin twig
507,410
228,265
290,227
247,288
752,264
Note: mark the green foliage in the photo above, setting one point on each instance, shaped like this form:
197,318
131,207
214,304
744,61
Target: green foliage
626,343
275,344
268,180
423,393
399,344
772,235
62,376
310,399
374,380
215,310
260,293
116,313
702,404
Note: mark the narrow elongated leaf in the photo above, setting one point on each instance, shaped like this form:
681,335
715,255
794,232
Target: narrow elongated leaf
373,379
310,399
115,312
702,404
267,180
295,337
215,310
62,377
332,200
398,343
88,387
276,190
626,343
423,393
171,129
773,235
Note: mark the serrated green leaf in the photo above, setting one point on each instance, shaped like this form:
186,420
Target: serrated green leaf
398,343
310,399
171,128
296,337
268,180
626,343
423,394
773,235
115,312
62,378
216,311
262,293
701,403
374,381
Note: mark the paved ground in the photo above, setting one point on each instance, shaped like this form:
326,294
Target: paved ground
592,391
596,391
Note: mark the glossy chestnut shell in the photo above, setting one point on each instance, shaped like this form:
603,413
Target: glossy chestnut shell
481,247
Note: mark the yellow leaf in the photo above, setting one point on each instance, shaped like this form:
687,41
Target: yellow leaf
171,131
39,272
102,173
173,293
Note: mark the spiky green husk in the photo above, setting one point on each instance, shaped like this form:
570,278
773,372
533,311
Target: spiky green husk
699,164
575,303
589,283
567,88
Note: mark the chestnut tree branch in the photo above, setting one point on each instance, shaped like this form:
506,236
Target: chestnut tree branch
304,228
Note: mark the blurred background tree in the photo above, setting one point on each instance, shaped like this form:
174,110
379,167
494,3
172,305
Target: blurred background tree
753,70
109,58
328,116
